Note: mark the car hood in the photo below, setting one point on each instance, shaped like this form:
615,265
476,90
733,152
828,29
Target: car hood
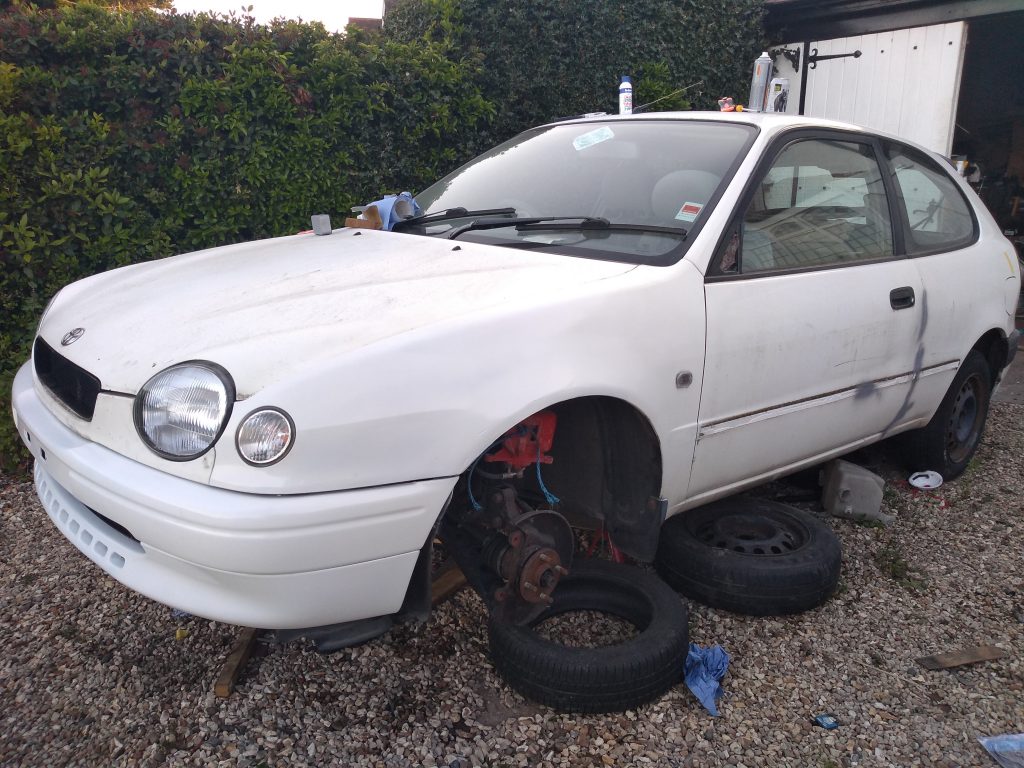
265,308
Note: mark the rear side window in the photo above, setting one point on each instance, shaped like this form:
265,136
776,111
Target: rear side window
936,215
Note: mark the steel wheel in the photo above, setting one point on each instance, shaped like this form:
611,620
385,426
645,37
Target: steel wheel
964,428
753,534
947,444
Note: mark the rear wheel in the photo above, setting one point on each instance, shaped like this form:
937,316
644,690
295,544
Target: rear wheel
948,443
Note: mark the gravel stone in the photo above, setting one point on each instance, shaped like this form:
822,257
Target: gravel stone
92,674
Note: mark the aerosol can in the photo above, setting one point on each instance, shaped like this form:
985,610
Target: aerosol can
778,95
759,83
626,96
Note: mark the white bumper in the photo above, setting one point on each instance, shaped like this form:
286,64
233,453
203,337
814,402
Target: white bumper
273,562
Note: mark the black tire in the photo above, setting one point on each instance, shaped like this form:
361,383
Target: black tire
948,443
610,678
750,556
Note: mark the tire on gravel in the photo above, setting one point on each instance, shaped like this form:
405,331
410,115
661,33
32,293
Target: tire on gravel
609,678
750,556
948,442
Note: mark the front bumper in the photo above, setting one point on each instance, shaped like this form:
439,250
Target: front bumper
273,562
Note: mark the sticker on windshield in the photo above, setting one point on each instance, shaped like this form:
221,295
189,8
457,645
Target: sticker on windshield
593,137
689,211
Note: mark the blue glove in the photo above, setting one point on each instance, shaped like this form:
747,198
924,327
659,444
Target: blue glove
395,208
705,667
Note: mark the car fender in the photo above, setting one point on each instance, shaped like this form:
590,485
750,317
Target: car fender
425,404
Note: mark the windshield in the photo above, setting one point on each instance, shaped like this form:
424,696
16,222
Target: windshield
656,179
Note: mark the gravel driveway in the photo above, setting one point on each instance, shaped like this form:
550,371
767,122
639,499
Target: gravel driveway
93,675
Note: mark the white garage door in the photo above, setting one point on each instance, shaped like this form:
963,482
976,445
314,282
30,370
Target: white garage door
905,82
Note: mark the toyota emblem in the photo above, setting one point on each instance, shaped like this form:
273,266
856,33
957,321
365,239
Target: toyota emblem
72,336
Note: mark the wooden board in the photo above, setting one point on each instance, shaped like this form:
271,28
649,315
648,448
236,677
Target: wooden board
449,581
961,657
234,662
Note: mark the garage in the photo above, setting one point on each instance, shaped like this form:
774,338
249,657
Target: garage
943,74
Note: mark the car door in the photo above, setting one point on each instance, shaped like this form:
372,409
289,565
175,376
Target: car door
812,316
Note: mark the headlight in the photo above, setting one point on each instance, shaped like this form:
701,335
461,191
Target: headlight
265,436
181,411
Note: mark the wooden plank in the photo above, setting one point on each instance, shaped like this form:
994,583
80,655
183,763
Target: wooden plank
449,581
961,657
234,662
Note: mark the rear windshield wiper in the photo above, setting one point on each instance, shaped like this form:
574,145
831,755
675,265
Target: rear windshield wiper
453,213
583,224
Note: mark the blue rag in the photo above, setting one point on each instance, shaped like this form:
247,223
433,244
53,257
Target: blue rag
395,208
1007,750
705,668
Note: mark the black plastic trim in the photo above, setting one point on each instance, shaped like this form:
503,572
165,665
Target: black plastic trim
70,384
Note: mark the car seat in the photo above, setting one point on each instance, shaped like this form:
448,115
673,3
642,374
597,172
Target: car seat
671,192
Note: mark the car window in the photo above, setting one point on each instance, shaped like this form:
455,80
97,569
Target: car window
821,203
654,173
938,217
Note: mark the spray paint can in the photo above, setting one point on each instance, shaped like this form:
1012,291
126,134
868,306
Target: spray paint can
778,95
626,96
759,82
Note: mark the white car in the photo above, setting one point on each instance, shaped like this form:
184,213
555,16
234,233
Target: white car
601,323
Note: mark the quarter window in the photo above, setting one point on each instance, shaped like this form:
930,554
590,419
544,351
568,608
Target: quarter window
938,217
822,203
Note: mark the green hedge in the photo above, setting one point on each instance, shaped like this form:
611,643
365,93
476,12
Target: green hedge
130,136
544,59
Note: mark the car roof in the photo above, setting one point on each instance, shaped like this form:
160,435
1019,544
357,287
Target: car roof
769,123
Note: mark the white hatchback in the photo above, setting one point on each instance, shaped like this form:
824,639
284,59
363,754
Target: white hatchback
600,323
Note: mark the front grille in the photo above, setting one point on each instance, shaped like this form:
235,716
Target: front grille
72,385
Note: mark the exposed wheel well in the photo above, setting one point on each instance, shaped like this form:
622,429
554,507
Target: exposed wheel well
993,346
607,471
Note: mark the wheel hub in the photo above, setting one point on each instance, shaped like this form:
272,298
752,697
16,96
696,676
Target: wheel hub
751,534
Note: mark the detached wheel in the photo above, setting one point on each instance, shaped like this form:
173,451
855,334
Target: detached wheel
608,678
948,443
750,556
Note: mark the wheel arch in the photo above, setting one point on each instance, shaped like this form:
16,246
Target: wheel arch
993,346
607,470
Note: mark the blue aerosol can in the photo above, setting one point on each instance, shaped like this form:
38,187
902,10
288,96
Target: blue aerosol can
759,83
626,96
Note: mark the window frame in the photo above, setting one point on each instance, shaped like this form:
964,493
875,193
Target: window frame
778,145
924,159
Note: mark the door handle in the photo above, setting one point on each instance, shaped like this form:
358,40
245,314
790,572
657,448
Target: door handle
901,298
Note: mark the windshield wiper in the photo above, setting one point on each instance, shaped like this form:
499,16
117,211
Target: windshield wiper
604,226
454,213
582,224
